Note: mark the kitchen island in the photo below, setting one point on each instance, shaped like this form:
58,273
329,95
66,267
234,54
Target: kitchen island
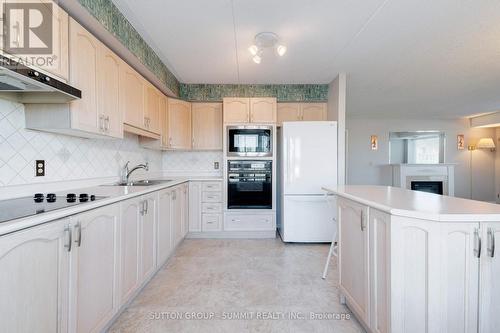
418,262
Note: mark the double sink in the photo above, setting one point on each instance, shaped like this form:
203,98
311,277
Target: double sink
143,182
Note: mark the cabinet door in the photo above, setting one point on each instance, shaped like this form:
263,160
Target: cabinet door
164,234
131,96
379,229
263,110
313,111
236,110
152,114
489,319
164,121
459,277
288,112
34,275
148,237
109,93
207,126
176,215
185,209
94,268
129,247
195,206
84,53
179,124
353,255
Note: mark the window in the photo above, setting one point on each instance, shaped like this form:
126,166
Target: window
422,147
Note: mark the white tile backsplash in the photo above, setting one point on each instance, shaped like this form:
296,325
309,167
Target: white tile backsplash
66,157
194,162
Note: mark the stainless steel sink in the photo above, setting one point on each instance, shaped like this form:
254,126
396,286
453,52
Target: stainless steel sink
143,182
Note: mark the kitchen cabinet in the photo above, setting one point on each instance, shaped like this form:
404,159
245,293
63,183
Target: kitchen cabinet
34,276
263,110
132,97
195,206
207,126
205,206
236,110
148,236
110,116
353,255
179,124
489,320
94,262
164,229
249,110
301,112
84,53
130,250
177,228
185,209
313,111
153,109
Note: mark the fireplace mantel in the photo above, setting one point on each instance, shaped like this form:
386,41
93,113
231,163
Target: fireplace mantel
404,174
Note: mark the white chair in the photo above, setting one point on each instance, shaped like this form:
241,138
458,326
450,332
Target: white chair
333,247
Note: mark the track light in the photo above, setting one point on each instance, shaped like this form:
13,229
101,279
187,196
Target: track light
257,59
281,49
266,40
253,49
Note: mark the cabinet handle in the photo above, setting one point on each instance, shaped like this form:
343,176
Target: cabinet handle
107,123
67,231
142,208
491,242
78,230
477,244
146,203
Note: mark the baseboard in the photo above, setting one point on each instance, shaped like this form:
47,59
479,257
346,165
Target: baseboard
233,234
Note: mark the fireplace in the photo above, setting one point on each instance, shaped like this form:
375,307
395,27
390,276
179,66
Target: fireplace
435,187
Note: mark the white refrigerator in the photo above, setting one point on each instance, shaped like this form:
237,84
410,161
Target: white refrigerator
307,159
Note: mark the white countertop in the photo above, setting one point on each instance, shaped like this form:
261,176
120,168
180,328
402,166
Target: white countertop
113,194
421,205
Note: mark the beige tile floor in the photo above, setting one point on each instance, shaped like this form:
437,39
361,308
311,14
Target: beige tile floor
265,282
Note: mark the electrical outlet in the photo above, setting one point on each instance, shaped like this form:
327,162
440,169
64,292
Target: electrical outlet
216,165
39,168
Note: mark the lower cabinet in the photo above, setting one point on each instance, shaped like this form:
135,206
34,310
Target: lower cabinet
148,236
164,227
401,274
205,206
94,263
34,278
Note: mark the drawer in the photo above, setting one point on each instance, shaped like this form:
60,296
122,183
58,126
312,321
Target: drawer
249,222
215,207
211,186
211,222
211,197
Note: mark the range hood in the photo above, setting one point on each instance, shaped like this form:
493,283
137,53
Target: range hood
22,84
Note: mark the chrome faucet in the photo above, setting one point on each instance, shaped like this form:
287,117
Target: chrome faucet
126,172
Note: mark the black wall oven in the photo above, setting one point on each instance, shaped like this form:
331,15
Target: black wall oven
253,141
249,184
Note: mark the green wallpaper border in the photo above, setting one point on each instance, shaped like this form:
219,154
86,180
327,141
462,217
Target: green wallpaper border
283,92
116,23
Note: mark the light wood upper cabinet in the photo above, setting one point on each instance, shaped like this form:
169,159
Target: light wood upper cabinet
263,110
236,110
301,112
249,110
179,124
313,111
132,96
207,126
110,115
163,121
288,112
84,54
153,109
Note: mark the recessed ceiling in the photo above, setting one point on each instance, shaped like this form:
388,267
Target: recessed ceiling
403,58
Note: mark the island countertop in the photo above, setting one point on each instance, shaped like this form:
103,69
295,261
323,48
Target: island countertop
421,205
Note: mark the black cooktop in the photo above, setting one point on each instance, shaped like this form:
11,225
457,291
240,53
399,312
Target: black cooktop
41,203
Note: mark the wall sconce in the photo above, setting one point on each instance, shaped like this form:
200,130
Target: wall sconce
486,143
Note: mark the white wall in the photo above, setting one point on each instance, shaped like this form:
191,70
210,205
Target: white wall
365,166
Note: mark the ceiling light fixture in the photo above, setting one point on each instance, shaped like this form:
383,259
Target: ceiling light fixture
263,41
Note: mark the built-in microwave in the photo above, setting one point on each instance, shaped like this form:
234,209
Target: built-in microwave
247,140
